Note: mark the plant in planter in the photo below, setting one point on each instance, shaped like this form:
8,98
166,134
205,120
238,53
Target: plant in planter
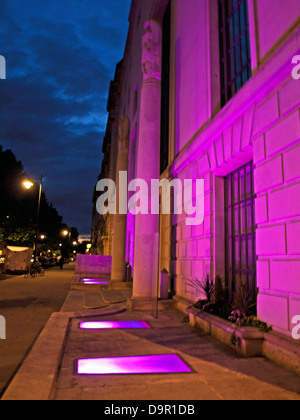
243,312
205,287
243,303
233,323
215,302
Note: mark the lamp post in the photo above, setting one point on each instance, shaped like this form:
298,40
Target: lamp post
28,185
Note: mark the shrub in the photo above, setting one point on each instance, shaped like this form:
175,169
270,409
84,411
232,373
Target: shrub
206,287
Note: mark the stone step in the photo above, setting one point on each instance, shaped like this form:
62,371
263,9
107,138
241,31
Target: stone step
115,296
93,300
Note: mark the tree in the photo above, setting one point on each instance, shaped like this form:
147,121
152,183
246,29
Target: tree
82,247
18,208
17,224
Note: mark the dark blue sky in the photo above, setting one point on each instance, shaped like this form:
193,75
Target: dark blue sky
61,56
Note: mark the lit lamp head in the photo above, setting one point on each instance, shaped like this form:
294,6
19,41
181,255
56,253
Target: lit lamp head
28,184
65,233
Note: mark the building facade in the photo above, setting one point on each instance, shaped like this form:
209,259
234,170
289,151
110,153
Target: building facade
102,225
209,89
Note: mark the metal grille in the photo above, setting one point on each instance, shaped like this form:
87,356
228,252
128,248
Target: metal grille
240,229
235,59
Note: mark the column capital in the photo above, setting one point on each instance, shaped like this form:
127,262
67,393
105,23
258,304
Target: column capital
152,51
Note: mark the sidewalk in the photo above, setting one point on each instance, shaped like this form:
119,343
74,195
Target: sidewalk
218,373
27,305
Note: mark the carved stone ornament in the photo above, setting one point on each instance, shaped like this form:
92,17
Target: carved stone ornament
152,50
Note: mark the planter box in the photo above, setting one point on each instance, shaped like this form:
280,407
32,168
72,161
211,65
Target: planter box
250,340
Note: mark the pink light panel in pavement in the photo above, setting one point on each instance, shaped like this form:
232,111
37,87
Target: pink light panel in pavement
106,325
165,363
95,281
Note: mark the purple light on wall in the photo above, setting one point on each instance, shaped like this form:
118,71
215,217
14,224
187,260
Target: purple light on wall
106,325
165,363
95,281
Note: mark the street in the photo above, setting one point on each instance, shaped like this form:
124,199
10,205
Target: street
27,304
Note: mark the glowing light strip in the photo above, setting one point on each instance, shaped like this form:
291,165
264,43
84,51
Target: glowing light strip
95,281
106,325
166,363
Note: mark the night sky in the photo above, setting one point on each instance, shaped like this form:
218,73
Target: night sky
61,56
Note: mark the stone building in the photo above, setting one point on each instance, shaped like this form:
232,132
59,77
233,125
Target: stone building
209,89
102,226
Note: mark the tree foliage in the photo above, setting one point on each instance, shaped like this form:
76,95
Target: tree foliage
18,208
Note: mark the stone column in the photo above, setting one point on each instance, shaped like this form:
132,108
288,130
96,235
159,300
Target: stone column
120,219
148,165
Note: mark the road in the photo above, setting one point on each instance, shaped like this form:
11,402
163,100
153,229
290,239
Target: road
27,305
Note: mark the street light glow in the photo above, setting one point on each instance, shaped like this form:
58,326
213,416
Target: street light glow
28,184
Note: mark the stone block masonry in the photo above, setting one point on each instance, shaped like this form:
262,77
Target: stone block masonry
277,184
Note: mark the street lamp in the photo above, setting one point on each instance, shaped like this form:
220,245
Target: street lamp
66,233
28,184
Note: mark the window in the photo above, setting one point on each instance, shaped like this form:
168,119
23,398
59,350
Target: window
165,90
240,247
235,57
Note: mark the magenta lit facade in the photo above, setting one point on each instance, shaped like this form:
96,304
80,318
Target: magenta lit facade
258,128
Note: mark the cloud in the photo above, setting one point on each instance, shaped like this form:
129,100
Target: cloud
60,60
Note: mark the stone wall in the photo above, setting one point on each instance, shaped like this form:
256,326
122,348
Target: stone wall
277,174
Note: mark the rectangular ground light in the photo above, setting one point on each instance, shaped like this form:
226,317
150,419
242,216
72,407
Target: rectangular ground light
107,325
164,363
95,281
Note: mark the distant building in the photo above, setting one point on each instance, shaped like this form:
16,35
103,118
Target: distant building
206,87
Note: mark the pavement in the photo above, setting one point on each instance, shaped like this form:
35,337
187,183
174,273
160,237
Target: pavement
217,371
27,305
